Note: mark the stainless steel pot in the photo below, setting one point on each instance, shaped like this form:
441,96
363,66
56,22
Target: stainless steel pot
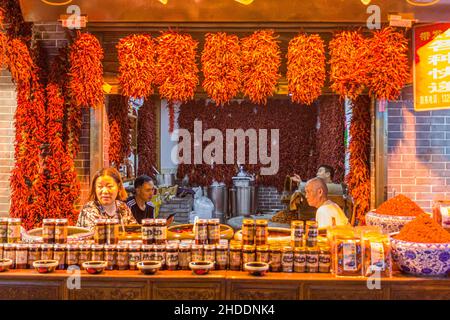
165,179
219,196
243,200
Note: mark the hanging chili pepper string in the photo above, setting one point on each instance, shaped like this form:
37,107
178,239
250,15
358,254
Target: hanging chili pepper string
171,108
119,130
147,143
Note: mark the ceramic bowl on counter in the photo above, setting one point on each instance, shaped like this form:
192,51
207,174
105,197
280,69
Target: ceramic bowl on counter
149,267
387,223
201,267
256,268
5,264
421,259
94,267
45,266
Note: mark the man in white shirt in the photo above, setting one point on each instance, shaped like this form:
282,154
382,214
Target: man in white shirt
328,213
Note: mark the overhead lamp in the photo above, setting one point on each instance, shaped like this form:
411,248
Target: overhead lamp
57,3
164,1
422,3
244,2
365,2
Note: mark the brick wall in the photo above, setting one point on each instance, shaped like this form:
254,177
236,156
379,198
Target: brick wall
8,106
418,152
269,199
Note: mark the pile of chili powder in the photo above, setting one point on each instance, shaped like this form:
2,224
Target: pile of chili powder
423,229
399,205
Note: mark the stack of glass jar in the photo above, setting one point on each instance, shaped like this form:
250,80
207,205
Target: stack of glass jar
207,231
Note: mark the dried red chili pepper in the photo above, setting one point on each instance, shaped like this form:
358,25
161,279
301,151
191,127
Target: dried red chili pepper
261,60
136,55
306,68
119,130
86,71
221,66
147,138
349,66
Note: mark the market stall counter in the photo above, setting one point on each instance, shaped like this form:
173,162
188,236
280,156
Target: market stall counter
217,285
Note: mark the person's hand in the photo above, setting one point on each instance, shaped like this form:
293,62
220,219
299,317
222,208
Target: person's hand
170,220
296,178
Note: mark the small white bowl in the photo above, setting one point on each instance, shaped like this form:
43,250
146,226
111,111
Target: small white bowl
5,264
256,268
201,267
149,266
45,266
94,267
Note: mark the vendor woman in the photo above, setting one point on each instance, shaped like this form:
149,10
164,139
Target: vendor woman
106,192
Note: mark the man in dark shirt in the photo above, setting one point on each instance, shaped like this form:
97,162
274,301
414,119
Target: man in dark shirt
140,203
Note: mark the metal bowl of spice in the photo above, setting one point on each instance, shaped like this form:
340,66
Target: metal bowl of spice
149,267
5,264
45,266
256,268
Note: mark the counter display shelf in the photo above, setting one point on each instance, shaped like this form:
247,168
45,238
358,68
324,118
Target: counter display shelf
228,285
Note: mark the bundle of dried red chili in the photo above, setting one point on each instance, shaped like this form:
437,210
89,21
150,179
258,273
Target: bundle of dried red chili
306,68
20,63
119,130
388,67
221,66
136,65
348,60
261,59
147,144
358,179
171,108
86,71
176,70
15,25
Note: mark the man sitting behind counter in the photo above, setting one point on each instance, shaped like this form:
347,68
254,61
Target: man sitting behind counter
328,213
140,204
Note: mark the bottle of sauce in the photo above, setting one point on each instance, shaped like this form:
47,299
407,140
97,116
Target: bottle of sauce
34,254
235,257
111,256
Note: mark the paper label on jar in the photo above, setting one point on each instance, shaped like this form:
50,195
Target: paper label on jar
172,259
300,259
147,232
350,263
445,217
210,257
14,232
21,257
377,256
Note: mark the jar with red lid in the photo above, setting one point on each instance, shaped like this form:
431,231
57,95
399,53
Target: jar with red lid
61,231
48,230
59,254
47,251
21,255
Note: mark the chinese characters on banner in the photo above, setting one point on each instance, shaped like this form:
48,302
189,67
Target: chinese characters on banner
432,67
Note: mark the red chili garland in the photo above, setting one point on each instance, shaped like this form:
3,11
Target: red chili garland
177,72
86,71
221,66
306,68
171,108
260,63
348,60
388,68
358,179
119,130
20,63
136,65
147,143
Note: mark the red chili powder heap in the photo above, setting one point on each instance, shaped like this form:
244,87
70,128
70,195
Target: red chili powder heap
399,205
423,229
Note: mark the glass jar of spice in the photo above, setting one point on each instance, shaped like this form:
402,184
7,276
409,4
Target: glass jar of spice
213,231
73,254
122,257
262,253
85,253
1,250
3,230
172,257
61,231
324,259
97,252
112,231
184,256
47,251
110,256
34,254
160,254
248,232
48,230
59,254
312,260
197,252
201,231
261,232
221,257
147,231
300,259
9,252
312,233
134,256
287,259
275,258
146,253
209,253
21,255
248,254
14,230
235,257
100,231
297,233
